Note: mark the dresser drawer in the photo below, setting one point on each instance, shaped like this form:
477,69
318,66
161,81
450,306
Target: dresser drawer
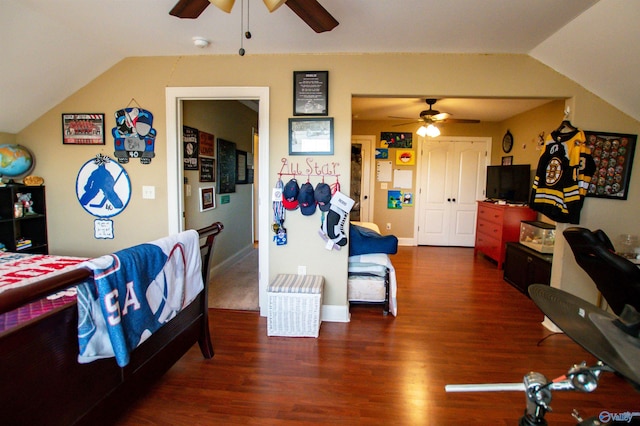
490,246
491,229
490,214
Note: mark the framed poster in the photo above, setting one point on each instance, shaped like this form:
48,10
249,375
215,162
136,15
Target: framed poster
613,156
311,136
83,129
190,142
207,198
396,140
226,170
310,92
206,144
241,167
207,169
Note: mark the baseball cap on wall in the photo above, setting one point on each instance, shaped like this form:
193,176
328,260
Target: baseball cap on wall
323,196
290,195
306,200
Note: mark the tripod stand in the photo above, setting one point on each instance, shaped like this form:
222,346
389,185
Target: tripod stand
538,391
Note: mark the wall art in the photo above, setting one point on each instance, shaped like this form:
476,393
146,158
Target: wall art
134,135
310,92
83,129
311,136
613,156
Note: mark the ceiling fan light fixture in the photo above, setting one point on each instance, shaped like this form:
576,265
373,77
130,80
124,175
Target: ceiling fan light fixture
272,5
432,131
223,5
422,131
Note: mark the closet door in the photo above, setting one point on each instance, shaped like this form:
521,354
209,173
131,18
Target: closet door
452,180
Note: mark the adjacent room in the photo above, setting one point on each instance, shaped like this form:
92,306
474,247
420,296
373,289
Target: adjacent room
319,212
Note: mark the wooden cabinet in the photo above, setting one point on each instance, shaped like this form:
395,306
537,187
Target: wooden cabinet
30,226
497,225
524,266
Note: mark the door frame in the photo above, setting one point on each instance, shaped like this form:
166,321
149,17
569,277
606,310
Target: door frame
489,142
175,188
368,177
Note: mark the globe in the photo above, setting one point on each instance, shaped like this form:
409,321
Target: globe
16,161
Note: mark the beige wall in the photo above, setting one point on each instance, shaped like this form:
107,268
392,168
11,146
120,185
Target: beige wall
7,138
145,79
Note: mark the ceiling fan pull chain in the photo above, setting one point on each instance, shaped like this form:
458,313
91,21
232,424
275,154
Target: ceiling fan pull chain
247,34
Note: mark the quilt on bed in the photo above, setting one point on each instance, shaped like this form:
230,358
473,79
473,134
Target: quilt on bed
23,269
134,292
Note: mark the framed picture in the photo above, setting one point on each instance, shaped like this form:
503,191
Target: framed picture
508,160
206,142
207,169
613,156
190,147
241,167
310,92
226,166
83,129
207,198
396,140
311,136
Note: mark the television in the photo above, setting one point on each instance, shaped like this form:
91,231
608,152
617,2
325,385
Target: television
509,183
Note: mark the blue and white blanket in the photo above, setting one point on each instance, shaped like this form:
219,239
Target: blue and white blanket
134,292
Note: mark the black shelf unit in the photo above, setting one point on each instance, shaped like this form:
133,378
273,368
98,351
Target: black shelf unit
30,226
524,266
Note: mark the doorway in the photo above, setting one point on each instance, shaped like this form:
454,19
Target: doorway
362,148
174,98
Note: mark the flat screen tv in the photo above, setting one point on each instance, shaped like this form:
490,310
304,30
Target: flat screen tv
509,183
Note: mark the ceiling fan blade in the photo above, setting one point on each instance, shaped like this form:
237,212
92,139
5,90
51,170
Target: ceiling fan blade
459,120
404,118
312,12
189,9
441,116
405,124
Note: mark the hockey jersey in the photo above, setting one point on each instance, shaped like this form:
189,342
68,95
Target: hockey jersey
562,177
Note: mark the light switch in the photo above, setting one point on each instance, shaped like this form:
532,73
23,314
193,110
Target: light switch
149,192
187,190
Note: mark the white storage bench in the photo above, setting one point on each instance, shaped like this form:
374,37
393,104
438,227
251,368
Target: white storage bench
294,305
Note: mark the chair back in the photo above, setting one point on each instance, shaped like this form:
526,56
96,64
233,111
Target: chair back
616,278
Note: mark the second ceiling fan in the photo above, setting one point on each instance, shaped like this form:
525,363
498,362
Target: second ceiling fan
433,116
310,11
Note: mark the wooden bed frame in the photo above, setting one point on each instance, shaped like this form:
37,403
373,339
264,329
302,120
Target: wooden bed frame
42,381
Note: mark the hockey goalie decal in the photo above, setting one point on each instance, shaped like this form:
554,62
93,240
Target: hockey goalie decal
104,190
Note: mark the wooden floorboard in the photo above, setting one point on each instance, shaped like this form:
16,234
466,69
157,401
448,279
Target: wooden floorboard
458,322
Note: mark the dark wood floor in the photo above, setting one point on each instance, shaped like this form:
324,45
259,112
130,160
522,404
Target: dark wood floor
458,322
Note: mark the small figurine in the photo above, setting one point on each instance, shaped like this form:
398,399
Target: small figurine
25,199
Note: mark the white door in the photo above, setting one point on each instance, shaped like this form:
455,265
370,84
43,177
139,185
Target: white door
365,145
452,180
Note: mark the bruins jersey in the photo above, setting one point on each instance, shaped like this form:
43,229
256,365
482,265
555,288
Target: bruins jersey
562,177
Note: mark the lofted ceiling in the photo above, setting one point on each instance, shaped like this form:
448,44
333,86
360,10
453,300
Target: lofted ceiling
51,48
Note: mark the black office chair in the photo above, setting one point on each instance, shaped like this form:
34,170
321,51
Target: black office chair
617,278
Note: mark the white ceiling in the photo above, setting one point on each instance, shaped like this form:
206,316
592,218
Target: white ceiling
51,48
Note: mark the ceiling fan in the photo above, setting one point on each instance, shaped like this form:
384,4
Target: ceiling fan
310,11
433,116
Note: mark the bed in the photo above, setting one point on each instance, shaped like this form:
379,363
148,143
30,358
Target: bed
372,277
42,381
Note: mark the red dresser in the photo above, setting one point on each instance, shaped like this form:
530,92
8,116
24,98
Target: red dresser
496,226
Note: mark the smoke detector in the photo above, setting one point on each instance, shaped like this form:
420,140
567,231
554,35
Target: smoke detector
200,42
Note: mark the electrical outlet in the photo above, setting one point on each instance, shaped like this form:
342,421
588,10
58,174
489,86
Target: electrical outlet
388,226
302,270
